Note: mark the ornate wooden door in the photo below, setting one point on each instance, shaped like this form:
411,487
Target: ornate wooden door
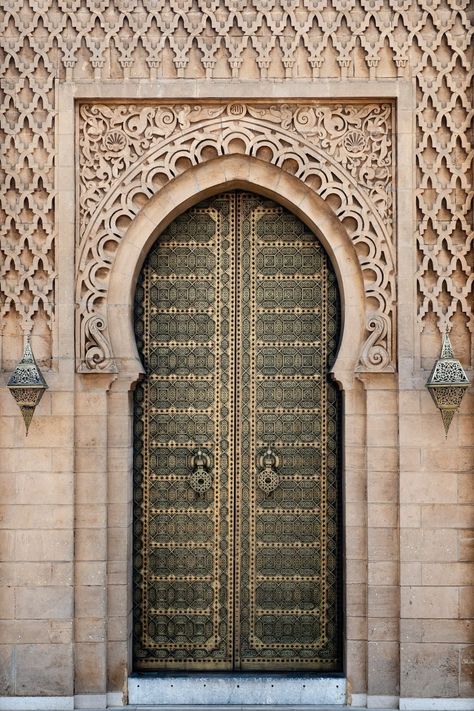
236,487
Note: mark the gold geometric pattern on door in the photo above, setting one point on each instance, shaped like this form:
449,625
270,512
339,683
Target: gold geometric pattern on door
236,426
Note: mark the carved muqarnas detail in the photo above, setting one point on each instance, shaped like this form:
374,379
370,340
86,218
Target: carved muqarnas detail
344,152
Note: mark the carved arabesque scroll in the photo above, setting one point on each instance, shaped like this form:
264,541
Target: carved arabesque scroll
344,152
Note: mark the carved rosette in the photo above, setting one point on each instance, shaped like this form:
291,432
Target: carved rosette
344,152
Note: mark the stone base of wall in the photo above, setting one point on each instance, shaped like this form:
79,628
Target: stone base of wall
61,703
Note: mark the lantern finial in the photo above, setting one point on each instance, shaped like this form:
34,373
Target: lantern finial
447,383
27,384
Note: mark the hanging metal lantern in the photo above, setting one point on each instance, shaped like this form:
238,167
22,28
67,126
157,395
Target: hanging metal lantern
27,384
447,383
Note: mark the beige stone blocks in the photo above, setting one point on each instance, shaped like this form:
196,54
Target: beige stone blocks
383,594
466,487
466,676
383,668
382,487
383,458
35,631
118,628
382,515
36,517
90,572
356,543
383,572
454,574
90,601
117,665
439,544
410,516
437,574
429,670
44,670
7,669
426,488
355,483
466,602
437,630
43,545
383,600
20,573
383,629
448,516
37,549
90,629
45,602
90,661
89,546
418,602
466,544
91,430
382,430
53,488
356,665
7,603
356,605
91,543
383,544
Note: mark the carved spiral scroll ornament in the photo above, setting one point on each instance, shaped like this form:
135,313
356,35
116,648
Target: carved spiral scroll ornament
374,355
344,152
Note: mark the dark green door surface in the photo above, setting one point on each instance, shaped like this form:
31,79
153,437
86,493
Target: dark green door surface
236,483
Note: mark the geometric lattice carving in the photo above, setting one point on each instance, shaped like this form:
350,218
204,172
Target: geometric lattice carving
68,40
444,163
27,170
344,152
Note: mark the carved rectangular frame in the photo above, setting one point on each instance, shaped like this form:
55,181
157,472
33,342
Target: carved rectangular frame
399,90
115,397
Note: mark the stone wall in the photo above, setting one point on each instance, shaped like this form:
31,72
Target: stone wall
65,490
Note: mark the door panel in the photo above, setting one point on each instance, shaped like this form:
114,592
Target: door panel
236,459
287,521
183,535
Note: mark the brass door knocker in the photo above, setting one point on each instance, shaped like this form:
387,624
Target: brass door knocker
201,478
267,478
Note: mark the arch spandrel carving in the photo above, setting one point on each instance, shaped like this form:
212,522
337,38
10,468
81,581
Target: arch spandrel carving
342,152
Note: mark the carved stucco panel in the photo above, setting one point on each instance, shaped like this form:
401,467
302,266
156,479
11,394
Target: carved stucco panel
49,42
344,152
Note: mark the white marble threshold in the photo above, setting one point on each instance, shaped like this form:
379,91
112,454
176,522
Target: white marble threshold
236,689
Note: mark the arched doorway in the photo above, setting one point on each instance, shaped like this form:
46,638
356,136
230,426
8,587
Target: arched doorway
236,440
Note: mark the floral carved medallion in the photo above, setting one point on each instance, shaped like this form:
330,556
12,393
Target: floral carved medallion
128,152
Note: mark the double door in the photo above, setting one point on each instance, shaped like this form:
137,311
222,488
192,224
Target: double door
236,551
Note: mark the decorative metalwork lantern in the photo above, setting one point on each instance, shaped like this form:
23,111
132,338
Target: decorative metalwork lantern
447,383
27,384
